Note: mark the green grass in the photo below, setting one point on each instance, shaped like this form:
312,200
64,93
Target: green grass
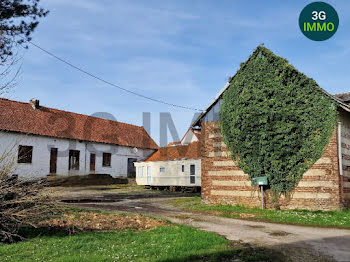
339,218
170,243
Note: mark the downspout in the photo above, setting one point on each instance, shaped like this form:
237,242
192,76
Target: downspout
340,158
85,158
340,161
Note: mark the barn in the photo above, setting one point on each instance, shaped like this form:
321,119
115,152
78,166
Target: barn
325,186
38,141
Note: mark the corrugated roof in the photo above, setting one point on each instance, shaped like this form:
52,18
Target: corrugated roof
21,117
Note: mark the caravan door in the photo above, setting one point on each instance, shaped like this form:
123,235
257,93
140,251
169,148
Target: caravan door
149,175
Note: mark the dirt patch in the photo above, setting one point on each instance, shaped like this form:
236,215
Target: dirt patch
88,180
279,233
183,217
90,221
255,226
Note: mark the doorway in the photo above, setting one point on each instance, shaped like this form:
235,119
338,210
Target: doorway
92,162
53,161
131,167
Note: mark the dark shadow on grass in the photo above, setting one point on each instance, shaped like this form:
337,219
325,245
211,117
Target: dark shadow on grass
235,254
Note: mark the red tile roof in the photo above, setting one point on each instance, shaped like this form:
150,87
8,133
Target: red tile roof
21,117
191,151
174,143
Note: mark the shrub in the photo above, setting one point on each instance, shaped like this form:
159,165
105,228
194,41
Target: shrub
22,202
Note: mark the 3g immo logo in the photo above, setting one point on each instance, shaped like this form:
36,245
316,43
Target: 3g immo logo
318,21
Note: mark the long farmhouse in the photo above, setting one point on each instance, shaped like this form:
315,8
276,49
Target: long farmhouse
38,141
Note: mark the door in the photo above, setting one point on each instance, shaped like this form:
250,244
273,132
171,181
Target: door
192,174
92,162
131,167
53,161
149,175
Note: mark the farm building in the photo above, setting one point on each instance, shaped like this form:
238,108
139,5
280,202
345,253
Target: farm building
45,141
177,165
325,186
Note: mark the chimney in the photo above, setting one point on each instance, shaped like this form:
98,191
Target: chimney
34,103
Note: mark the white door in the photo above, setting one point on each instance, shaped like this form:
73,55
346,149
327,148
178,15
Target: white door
149,175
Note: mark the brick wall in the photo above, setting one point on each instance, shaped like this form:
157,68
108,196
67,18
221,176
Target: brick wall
224,182
345,151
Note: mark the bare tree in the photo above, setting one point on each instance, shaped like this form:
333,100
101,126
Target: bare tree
22,201
9,72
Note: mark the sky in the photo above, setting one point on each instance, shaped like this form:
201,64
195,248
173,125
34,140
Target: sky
181,52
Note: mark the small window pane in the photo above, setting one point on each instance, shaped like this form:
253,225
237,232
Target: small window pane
192,170
162,169
192,179
183,168
106,161
25,154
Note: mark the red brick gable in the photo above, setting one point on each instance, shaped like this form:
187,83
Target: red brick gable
21,117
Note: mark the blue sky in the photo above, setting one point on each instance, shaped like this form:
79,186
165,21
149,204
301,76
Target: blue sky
178,51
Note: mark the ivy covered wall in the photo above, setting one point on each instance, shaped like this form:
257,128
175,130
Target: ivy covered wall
275,120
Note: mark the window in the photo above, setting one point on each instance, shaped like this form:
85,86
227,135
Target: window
140,171
25,154
162,170
106,161
192,174
183,168
74,156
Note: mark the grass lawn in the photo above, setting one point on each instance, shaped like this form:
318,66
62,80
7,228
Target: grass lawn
107,236
165,243
339,218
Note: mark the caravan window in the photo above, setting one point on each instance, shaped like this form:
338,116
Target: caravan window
140,169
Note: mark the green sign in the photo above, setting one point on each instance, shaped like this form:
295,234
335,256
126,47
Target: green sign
259,181
318,21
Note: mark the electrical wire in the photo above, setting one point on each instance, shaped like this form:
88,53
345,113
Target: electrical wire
107,82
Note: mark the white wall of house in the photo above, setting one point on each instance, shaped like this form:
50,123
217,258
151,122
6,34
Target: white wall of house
40,166
172,175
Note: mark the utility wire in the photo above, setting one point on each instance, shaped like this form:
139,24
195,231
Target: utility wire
109,83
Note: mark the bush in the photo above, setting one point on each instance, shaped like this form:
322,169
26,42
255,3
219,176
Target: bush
275,121
22,203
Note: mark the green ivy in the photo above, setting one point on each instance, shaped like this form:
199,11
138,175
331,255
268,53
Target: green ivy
275,121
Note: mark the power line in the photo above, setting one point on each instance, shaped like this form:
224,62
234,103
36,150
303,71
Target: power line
109,83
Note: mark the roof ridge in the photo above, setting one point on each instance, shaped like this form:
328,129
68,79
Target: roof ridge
18,116
61,110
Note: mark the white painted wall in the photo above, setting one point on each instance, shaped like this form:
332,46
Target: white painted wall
173,175
40,165
189,137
